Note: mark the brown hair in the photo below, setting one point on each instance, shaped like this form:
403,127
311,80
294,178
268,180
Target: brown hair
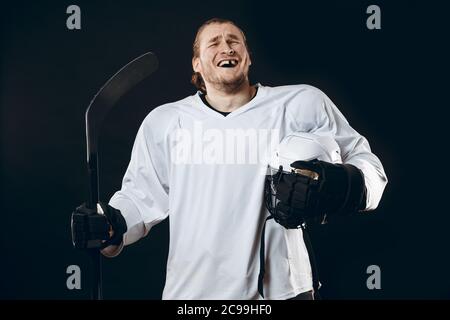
196,78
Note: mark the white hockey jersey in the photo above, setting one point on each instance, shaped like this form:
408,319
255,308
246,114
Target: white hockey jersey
207,171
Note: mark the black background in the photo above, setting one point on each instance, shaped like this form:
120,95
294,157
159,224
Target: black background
388,83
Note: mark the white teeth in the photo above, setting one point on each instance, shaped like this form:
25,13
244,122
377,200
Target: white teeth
225,62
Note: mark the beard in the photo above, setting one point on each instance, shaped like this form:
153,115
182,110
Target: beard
230,85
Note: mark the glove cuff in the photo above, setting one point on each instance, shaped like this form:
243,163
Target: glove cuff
355,199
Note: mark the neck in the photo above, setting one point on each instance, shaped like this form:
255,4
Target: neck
230,101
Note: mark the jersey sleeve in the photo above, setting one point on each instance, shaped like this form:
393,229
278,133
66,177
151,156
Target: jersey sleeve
144,196
314,112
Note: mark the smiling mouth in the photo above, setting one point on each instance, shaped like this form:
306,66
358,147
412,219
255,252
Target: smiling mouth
229,63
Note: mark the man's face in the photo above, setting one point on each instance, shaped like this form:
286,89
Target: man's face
223,59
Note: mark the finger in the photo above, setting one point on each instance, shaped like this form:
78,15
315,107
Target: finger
298,201
282,209
298,190
283,192
83,209
288,217
306,165
293,178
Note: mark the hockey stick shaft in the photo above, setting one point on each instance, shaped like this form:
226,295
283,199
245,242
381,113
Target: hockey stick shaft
97,284
118,85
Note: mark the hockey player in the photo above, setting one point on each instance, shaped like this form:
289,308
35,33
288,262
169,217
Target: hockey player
202,161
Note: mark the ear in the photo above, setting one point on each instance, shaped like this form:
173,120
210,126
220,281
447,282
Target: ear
196,64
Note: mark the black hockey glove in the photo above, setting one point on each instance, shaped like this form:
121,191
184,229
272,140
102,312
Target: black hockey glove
329,189
92,230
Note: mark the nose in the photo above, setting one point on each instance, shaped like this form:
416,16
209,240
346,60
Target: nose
226,48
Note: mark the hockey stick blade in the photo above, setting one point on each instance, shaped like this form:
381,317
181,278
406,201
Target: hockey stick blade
118,85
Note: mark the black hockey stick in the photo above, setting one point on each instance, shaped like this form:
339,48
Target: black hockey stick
118,85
